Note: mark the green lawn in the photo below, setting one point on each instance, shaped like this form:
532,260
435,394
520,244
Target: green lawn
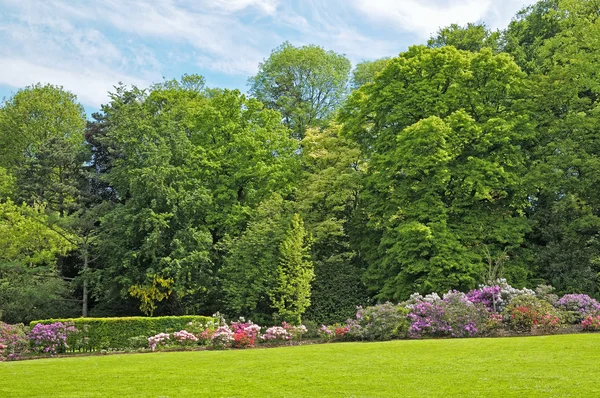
549,366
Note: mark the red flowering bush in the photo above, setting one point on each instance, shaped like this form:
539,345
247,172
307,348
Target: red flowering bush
591,324
527,311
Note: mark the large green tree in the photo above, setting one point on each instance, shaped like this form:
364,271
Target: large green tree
305,84
447,152
192,165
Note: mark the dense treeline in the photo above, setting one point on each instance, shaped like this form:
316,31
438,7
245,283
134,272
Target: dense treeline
453,164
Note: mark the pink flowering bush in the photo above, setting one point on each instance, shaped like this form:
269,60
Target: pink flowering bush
13,341
185,338
160,339
244,334
51,339
591,324
275,333
547,323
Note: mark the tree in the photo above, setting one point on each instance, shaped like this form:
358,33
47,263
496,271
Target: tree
447,150
291,296
33,116
191,167
562,50
366,71
29,285
305,84
329,203
472,37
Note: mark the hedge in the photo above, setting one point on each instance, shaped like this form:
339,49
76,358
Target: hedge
106,333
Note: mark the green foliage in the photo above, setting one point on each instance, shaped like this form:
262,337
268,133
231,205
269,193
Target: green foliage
329,203
295,272
115,333
383,322
366,71
33,116
306,84
445,176
207,160
25,296
278,282
472,37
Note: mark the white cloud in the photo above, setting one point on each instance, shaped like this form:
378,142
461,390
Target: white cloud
425,17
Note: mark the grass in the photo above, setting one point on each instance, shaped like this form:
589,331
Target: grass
547,366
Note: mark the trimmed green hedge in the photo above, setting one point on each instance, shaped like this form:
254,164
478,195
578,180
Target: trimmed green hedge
106,333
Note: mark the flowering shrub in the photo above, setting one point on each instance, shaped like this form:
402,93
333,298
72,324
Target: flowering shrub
13,341
547,323
489,296
581,305
493,324
198,327
275,333
52,338
295,331
185,338
428,319
327,332
526,311
464,317
222,338
244,334
157,340
454,315
591,324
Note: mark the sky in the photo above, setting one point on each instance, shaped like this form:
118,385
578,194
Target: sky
90,46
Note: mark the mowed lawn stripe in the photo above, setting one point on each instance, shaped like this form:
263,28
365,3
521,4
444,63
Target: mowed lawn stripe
546,366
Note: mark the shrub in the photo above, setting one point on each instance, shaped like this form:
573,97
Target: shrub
547,323
185,338
244,334
158,340
276,333
51,339
580,305
525,311
380,322
489,296
13,341
222,338
454,316
464,317
105,333
591,324
492,324
137,342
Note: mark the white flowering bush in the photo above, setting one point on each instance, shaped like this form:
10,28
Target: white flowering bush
222,338
159,339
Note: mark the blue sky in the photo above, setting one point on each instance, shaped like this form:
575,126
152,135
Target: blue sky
89,46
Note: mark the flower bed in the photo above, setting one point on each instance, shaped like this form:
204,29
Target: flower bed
497,310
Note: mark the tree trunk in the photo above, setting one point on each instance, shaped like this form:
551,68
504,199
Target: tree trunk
84,309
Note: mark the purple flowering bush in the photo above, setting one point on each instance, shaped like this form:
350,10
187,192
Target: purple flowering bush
454,315
489,296
51,339
580,305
